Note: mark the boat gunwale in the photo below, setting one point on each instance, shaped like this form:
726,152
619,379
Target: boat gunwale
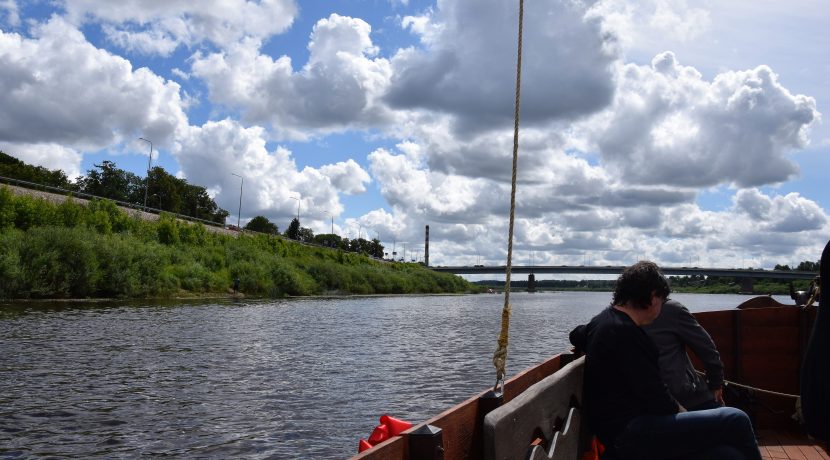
466,414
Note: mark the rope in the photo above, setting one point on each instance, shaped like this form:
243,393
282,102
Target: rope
761,390
749,387
816,288
500,355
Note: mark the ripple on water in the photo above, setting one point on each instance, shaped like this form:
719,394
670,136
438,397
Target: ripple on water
289,379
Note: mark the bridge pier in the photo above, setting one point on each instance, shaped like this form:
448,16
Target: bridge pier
747,286
531,283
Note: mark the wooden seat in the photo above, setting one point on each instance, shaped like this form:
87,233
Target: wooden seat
548,410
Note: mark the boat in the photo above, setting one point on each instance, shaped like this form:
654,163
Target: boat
771,354
774,355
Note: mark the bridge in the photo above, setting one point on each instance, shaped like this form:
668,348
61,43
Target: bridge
616,270
745,275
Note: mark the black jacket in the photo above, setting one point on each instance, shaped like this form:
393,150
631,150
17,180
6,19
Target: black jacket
622,378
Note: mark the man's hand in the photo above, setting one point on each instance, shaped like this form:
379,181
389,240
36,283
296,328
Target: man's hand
719,396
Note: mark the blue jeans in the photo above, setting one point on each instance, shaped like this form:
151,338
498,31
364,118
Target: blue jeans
714,434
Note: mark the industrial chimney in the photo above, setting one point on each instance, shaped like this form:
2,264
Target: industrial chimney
426,248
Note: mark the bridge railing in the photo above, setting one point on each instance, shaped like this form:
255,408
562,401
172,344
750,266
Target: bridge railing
616,270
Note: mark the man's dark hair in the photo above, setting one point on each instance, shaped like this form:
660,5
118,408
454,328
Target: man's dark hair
637,282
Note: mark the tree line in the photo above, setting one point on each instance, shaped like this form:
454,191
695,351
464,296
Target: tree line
296,232
162,190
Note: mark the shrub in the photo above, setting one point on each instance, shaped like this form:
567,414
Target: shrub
30,212
58,262
168,229
7,211
69,214
10,274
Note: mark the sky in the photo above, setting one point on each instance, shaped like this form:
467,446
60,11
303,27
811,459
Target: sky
685,132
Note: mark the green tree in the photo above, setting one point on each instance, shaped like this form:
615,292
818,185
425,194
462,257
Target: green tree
165,191
808,266
109,181
328,240
305,235
16,169
375,248
197,203
171,194
263,225
293,231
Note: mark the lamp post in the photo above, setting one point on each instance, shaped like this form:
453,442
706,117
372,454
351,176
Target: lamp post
149,161
239,213
298,207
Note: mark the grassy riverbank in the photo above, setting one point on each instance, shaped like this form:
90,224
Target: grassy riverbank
69,250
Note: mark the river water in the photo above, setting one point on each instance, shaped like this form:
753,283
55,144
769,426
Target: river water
300,378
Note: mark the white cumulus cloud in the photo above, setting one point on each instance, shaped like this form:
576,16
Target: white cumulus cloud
160,27
790,213
337,89
467,65
11,12
347,176
58,88
211,154
669,126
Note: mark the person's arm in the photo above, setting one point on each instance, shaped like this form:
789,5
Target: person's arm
579,338
700,342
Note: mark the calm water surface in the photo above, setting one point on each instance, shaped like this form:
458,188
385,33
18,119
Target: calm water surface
260,379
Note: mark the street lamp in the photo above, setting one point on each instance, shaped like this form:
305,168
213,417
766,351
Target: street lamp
239,213
149,160
298,207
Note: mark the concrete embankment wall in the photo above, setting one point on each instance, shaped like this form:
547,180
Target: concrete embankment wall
57,198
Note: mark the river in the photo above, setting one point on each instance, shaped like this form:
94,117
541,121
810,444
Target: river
299,378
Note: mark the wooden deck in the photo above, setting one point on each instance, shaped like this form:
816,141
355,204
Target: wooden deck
779,445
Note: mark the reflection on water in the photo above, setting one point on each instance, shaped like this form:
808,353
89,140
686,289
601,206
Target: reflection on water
256,379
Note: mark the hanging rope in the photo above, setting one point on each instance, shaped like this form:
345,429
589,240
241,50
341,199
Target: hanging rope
815,287
500,356
752,388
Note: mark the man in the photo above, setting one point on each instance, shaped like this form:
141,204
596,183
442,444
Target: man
673,330
627,404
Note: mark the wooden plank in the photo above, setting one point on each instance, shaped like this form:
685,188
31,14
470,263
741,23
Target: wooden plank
786,316
770,338
720,326
788,444
810,452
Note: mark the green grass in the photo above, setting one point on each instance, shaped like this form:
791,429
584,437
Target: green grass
70,250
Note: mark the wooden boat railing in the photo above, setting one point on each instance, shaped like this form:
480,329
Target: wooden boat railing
762,345
461,426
